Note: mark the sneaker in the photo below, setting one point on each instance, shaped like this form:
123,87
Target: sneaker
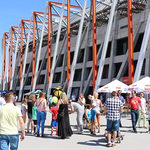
38,135
109,145
43,135
113,144
135,131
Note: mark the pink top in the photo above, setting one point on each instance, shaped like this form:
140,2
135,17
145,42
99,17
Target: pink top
41,104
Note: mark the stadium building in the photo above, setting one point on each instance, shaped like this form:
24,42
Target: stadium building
44,56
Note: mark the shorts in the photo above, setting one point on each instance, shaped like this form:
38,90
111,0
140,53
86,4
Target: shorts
93,121
113,125
54,123
30,115
24,114
35,122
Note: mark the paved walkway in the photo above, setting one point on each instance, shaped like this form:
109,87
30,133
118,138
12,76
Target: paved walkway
131,140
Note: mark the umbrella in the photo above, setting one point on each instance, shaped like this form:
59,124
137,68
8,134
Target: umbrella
142,85
113,86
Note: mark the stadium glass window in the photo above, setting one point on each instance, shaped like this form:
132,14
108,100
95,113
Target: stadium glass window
40,64
45,41
90,53
75,92
77,75
57,77
72,55
27,67
41,79
122,46
126,72
139,43
81,56
30,68
44,64
143,68
60,61
108,50
98,46
29,80
90,92
116,69
30,48
51,60
105,72
87,73
18,82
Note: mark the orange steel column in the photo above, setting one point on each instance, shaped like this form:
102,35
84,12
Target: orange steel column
130,43
21,51
49,42
11,53
4,65
9,69
33,53
68,43
94,44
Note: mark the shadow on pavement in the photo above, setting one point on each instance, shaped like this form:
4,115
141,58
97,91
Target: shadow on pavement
101,142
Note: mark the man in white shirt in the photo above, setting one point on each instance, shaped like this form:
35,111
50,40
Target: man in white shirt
9,117
142,111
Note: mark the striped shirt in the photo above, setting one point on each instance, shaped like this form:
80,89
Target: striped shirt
113,106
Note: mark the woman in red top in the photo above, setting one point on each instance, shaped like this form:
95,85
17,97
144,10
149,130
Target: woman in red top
134,103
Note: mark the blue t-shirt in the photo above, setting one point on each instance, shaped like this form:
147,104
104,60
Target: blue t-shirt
93,114
89,115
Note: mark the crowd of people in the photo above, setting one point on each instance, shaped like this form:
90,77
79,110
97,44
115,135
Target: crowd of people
35,109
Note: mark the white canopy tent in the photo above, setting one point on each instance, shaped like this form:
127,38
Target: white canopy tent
113,86
142,85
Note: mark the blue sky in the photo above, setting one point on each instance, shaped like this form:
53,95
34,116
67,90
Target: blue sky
12,11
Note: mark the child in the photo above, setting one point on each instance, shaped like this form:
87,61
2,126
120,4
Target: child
54,124
34,117
93,119
24,109
87,119
148,113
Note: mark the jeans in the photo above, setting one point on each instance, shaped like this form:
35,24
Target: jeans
41,117
134,118
6,140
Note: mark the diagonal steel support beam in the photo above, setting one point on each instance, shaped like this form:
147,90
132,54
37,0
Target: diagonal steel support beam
25,59
55,50
39,50
142,51
76,50
108,31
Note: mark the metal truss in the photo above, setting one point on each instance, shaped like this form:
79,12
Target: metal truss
52,23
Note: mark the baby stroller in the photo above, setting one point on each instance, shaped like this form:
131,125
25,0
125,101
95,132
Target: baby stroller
119,137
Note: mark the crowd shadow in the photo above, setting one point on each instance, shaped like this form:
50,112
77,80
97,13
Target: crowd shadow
100,142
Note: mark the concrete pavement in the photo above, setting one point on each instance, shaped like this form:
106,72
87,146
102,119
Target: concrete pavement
131,140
